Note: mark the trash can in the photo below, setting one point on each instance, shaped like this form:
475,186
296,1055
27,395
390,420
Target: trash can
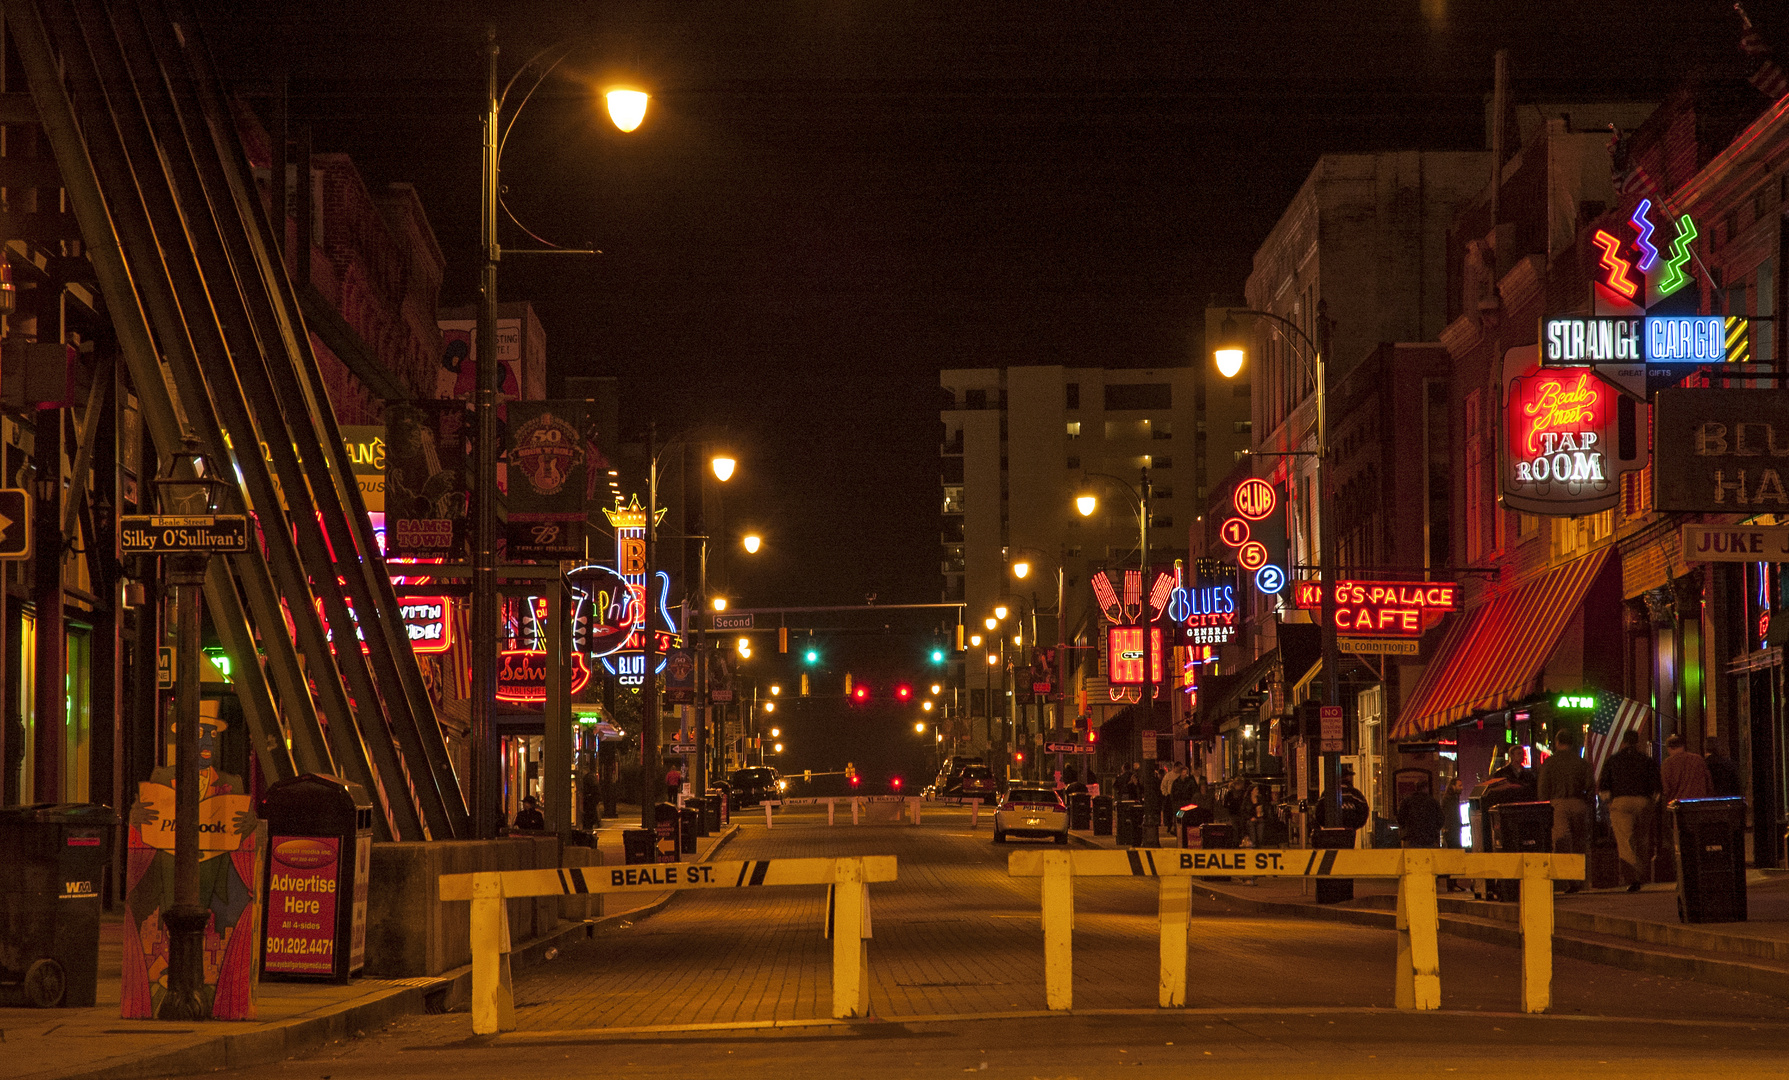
1333,890
665,820
698,804
711,814
639,846
721,793
55,857
1130,824
1711,859
1522,828
320,859
1216,834
1102,815
1080,811
689,822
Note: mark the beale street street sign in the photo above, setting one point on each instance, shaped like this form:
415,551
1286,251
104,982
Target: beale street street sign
156,534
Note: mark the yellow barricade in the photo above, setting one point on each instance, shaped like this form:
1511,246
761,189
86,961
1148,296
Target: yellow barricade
847,884
1418,919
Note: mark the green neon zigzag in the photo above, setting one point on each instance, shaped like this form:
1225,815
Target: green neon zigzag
1675,278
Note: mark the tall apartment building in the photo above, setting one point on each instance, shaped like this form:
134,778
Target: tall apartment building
1019,445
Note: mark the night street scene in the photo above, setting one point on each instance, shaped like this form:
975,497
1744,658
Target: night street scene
805,539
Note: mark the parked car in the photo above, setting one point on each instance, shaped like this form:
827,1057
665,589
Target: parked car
952,771
974,782
1031,811
749,787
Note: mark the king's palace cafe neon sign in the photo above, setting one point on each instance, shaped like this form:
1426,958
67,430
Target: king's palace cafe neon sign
1383,608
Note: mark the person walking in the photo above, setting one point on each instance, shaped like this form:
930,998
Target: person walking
673,783
1419,820
1723,775
1565,783
1684,775
530,816
1166,787
1630,787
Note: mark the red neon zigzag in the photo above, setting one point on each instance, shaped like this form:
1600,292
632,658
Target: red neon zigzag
1614,263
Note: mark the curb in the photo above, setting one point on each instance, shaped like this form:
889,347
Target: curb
279,1041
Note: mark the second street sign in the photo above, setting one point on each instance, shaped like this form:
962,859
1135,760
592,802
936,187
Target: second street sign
154,534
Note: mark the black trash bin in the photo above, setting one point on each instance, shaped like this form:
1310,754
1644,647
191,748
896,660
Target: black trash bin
320,859
1102,815
1521,828
639,846
1711,859
1080,811
1333,890
711,814
724,802
689,824
54,857
1217,834
698,804
1130,824
665,819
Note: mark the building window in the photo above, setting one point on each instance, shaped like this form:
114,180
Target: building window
1074,429
1161,429
1074,462
1245,427
1165,521
1160,462
1164,493
1074,394
1139,396
953,499
975,399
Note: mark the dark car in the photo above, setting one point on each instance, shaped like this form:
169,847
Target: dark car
974,782
749,787
951,772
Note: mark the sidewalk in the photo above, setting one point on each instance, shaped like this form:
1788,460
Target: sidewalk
77,1044
1638,931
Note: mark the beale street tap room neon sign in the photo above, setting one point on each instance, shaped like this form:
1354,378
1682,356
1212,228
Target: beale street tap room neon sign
1567,437
1383,608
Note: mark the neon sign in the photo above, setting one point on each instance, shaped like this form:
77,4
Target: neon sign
1615,264
1207,611
1126,657
1567,437
1382,608
628,662
1254,500
1643,227
1576,340
1675,278
522,675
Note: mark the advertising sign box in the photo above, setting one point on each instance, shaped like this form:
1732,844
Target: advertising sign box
1568,435
1721,451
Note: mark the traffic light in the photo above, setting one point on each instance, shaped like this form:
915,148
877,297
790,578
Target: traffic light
904,692
782,639
811,656
861,694
850,771
897,783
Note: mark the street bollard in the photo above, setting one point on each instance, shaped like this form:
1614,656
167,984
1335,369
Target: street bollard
856,806
829,810
767,822
974,815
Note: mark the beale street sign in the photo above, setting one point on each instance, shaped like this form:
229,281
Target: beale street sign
1567,437
156,534
1721,451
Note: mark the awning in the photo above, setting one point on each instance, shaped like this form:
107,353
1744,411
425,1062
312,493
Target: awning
1490,656
1219,694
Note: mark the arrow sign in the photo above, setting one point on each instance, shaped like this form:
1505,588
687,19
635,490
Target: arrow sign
15,523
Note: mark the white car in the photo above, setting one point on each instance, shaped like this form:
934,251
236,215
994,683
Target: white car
1031,811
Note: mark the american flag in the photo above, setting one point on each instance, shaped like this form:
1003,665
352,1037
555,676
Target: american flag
1766,76
1613,717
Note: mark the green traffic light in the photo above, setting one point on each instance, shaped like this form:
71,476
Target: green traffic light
813,657
937,656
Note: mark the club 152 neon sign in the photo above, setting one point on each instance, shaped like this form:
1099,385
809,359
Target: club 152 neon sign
1383,608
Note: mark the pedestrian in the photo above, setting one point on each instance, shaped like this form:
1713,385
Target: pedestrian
1630,787
673,783
1165,787
1073,785
1565,783
1450,813
1235,802
1258,822
1354,812
1419,820
1723,775
529,816
1684,775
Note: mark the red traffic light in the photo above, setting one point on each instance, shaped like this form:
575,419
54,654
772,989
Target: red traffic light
897,783
854,781
861,693
903,691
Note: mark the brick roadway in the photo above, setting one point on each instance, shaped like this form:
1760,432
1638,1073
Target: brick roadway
956,935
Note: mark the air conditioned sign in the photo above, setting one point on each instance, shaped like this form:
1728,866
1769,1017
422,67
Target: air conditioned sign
1567,437
1721,451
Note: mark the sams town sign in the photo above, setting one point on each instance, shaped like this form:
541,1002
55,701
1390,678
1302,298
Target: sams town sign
1568,435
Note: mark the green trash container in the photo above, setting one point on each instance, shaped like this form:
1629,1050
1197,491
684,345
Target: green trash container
53,859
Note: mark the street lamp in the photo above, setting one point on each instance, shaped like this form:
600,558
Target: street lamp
1229,354
752,543
720,603
627,108
189,487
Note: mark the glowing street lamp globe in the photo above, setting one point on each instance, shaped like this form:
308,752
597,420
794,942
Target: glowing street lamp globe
1086,504
627,108
752,543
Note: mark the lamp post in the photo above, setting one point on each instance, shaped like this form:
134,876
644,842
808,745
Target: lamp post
1229,355
188,488
1021,568
627,107
1087,504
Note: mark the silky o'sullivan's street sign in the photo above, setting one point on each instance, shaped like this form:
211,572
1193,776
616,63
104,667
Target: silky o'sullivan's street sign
158,534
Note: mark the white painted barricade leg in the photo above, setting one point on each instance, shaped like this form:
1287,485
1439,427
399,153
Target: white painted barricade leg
493,996
1059,925
913,805
1536,909
850,944
856,806
767,823
975,815
1419,933
1177,912
829,811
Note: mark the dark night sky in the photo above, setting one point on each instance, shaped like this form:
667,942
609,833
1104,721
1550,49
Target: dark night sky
831,200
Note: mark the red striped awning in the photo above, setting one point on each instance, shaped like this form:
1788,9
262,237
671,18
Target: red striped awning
1490,657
